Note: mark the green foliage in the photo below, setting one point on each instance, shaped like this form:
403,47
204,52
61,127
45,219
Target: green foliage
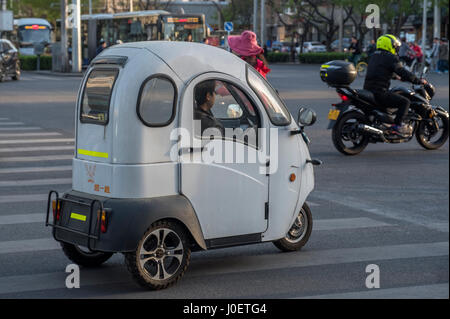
322,57
240,12
29,62
278,57
48,9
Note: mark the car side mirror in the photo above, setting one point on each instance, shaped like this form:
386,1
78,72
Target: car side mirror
234,111
306,117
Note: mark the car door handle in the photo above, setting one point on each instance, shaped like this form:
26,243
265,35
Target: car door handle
184,150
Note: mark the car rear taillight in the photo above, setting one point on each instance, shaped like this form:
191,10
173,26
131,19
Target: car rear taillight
103,221
56,205
343,97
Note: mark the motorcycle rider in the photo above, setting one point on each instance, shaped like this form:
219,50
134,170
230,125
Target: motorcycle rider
384,64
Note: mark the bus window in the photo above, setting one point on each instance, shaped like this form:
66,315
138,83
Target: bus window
34,34
183,29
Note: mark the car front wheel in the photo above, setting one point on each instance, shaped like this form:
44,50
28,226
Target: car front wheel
299,233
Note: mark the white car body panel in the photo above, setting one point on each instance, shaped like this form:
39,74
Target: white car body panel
229,199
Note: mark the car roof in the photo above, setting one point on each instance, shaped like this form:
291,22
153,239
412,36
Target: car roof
26,21
188,59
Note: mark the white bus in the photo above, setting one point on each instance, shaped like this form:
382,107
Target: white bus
30,31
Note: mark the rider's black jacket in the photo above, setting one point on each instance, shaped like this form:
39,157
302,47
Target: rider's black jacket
382,66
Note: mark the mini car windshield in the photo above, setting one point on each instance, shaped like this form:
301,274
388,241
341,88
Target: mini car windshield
275,108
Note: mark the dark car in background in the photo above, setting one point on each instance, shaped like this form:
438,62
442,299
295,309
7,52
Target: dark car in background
9,61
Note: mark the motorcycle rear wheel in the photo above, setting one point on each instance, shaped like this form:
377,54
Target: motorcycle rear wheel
425,134
345,130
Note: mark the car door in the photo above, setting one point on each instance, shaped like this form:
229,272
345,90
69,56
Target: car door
230,192
7,55
289,174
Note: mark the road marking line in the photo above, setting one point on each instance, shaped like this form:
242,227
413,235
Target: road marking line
35,169
36,148
36,182
23,198
28,245
347,223
56,280
25,128
11,123
308,258
437,291
312,204
215,266
36,158
27,141
29,134
4,119
21,219
357,204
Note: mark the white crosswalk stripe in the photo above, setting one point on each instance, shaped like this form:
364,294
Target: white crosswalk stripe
40,158
39,169
26,134
24,128
10,123
36,182
35,148
8,199
27,141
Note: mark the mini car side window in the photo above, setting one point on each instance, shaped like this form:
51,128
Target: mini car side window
232,112
97,95
157,101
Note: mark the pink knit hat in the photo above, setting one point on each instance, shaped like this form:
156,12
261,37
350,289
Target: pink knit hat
245,44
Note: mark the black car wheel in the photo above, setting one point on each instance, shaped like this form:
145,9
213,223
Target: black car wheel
299,233
161,257
84,257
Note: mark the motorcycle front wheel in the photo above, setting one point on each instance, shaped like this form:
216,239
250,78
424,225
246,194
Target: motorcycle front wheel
347,138
433,133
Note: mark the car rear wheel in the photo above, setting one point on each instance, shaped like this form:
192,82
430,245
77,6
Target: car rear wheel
161,257
84,257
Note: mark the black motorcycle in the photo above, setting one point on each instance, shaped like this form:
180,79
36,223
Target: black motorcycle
356,120
9,61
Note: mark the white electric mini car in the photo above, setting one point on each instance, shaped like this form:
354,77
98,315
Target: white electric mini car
149,183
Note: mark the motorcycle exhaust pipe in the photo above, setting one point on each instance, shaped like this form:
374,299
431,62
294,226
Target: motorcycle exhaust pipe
372,130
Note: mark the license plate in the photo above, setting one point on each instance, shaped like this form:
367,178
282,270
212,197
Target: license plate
333,114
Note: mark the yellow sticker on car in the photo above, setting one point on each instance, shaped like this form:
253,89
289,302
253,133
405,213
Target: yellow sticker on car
92,153
78,217
333,114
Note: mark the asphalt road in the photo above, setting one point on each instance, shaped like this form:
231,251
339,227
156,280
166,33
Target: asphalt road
387,206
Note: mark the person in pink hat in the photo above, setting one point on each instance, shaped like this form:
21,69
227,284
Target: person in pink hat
247,48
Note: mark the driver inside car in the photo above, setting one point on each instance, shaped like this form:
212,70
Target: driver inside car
205,97
383,65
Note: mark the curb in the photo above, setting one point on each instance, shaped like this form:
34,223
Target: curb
69,74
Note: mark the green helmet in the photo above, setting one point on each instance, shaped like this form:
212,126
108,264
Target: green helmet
389,43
